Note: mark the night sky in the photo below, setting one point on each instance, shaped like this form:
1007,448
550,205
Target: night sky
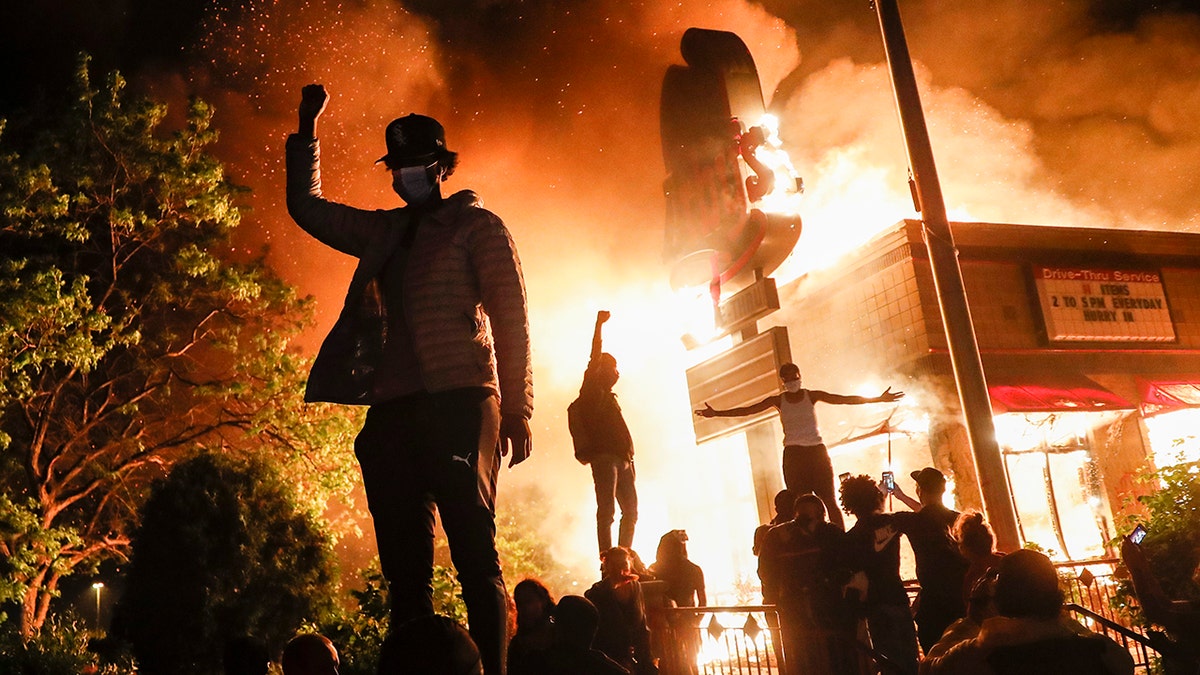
1070,112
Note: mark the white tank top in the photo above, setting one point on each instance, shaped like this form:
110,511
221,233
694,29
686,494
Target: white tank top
799,421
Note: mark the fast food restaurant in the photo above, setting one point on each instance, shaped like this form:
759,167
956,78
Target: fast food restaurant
1090,341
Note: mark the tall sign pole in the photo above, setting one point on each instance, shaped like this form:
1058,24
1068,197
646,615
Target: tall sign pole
947,279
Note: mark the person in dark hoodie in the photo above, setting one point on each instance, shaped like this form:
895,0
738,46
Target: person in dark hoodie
803,568
575,623
434,337
602,439
623,633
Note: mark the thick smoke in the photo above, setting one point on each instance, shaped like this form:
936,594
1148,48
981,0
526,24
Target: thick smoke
1103,91
1039,113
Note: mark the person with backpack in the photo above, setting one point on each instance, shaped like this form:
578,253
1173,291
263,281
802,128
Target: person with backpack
602,440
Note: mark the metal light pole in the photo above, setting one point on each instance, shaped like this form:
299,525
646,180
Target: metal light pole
99,586
947,279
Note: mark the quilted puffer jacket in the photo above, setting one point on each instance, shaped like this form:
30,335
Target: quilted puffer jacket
464,294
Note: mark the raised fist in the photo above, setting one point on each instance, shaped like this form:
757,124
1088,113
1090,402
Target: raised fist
313,99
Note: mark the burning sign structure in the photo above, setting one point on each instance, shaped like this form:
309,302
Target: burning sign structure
732,199
731,191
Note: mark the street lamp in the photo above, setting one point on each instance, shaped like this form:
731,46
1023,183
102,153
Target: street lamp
99,585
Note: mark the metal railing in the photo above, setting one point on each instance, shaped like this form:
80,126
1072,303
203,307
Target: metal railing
741,640
746,640
1094,584
1137,644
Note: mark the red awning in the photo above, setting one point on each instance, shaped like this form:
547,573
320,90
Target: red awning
1051,393
1166,396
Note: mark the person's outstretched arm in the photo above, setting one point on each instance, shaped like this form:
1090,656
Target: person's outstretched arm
825,397
765,404
597,341
905,499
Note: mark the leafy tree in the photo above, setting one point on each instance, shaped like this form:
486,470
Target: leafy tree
1171,516
223,551
359,631
66,646
128,339
521,534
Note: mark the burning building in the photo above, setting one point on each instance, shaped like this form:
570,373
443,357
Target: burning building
1085,337
1090,341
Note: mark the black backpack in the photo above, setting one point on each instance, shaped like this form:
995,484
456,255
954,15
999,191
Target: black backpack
580,427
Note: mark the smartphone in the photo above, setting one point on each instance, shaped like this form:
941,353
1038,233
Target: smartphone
843,476
1138,534
889,481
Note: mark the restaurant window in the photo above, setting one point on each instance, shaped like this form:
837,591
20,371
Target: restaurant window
1174,436
1054,481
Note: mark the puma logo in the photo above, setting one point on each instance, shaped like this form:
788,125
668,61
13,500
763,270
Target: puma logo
465,460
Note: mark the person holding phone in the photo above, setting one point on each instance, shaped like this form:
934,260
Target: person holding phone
940,566
874,549
806,464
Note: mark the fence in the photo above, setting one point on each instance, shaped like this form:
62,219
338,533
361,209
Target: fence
1090,587
744,640
741,640
1093,585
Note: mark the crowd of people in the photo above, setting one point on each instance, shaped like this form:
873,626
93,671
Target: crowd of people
434,338
605,631
842,603
844,607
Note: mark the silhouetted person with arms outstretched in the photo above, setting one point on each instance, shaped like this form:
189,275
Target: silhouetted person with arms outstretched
602,440
806,464
434,337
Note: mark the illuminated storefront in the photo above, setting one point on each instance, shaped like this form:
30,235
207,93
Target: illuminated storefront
1090,340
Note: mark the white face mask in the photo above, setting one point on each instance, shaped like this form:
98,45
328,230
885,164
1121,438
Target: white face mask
413,184
792,386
